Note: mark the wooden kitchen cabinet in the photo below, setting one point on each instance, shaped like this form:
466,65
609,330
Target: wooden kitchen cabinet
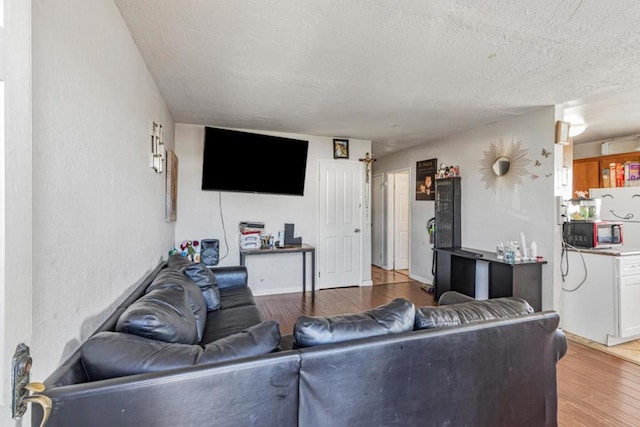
587,173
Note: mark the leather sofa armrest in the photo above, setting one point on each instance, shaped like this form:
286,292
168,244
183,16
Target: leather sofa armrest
231,276
453,297
561,344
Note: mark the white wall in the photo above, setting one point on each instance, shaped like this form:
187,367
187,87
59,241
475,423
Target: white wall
15,192
489,217
215,214
594,148
98,209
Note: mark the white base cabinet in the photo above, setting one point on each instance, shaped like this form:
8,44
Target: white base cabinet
601,297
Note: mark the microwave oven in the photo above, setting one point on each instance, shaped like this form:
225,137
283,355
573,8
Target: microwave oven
593,234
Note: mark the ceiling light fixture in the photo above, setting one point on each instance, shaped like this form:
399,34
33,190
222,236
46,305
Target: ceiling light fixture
576,129
576,124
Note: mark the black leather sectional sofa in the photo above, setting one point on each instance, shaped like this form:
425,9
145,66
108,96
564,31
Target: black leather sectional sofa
169,356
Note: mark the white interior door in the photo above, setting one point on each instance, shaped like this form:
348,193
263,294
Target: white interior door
340,236
378,229
401,221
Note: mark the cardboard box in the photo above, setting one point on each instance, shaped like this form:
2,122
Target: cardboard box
632,174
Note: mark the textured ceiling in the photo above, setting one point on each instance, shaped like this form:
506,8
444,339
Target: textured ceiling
399,73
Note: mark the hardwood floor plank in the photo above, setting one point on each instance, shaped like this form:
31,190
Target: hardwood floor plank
597,389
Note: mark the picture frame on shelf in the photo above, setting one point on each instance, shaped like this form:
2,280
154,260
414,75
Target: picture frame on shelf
340,148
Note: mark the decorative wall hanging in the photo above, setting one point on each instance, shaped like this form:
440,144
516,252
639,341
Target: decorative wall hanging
425,176
156,157
504,165
171,192
367,160
545,155
340,148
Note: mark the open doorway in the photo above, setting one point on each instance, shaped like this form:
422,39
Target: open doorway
390,221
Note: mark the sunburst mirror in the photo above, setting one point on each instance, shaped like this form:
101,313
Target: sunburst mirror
504,164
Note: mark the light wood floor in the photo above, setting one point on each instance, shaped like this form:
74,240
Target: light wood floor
384,277
594,388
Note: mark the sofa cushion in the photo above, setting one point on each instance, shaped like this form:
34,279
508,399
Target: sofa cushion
222,323
163,314
470,312
258,339
177,261
171,277
237,296
201,276
393,317
114,354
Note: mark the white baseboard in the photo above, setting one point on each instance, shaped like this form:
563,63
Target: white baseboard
421,279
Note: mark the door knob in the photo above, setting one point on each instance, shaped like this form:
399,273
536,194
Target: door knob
357,230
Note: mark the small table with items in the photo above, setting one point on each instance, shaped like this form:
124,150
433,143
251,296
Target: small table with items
302,248
466,270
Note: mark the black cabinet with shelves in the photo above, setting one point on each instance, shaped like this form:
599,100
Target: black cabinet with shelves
447,213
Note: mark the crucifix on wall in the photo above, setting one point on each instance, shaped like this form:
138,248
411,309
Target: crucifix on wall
368,160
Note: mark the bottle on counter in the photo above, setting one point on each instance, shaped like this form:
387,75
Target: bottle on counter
619,175
533,252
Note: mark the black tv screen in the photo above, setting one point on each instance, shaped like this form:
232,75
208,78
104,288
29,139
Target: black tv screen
253,163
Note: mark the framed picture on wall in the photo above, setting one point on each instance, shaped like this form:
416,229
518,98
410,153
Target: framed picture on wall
171,191
340,148
425,179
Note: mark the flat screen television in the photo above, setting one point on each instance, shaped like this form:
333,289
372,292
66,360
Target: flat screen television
253,163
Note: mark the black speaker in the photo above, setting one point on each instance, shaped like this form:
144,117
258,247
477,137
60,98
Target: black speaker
209,251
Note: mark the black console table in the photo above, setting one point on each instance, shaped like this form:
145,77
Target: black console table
456,271
303,248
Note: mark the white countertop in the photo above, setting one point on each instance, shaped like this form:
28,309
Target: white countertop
617,251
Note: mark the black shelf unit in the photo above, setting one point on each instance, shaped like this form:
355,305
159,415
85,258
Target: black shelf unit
447,213
456,271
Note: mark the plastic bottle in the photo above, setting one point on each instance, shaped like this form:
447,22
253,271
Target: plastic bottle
533,252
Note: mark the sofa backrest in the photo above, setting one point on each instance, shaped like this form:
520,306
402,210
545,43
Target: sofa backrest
393,317
258,391
497,372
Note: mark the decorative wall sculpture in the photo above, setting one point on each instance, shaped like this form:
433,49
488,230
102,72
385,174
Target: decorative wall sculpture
504,165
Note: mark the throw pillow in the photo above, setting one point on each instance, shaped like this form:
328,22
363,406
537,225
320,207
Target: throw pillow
393,317
471,312
206,281
202,276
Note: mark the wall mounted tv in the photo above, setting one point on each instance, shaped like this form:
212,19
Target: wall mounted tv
253,163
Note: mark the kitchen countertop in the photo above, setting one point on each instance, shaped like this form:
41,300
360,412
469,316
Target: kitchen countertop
617,251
